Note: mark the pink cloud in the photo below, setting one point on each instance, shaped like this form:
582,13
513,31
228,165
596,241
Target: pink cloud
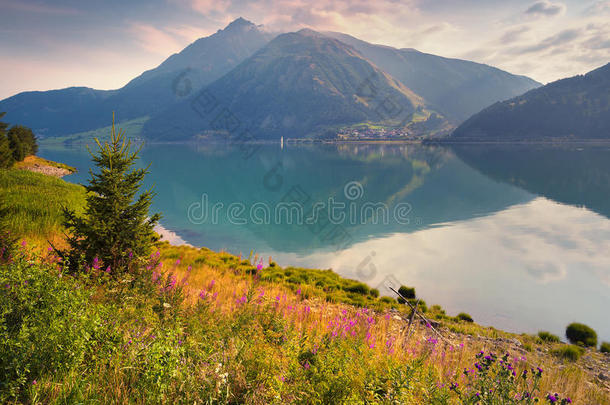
156,40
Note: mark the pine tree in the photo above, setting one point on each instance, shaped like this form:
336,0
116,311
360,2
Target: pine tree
6,154
115,228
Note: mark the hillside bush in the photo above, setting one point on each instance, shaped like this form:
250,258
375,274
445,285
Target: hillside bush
568,352
22,142
463,316
548,337
581,334
48,325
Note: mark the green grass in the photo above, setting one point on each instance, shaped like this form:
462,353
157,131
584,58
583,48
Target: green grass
132,128
34,201
568,352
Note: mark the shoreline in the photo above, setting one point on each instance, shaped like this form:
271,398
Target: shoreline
37,164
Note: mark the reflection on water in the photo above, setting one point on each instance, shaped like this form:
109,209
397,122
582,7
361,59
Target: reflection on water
568,174
498,232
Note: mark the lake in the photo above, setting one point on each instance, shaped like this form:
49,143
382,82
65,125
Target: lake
517,236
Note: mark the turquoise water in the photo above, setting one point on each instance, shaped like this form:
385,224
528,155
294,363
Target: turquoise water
519,237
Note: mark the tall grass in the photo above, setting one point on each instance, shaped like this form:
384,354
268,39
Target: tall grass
33,202
187,332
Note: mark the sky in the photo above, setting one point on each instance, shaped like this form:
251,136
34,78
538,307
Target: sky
105,43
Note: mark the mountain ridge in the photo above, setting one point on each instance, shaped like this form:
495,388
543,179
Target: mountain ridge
158,90
457,87
198,64
572,108
299,83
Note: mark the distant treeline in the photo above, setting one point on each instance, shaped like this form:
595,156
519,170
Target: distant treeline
15,144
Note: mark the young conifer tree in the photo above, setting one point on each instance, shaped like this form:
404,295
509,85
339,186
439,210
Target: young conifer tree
116,228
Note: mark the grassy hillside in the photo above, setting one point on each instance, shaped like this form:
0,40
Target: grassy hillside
195,326
33,202
132,128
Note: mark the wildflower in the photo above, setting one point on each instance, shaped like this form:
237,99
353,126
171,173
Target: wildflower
34,382
96,263
211,284
23,243
299,291
49,249
203,294
171,284
259,266
552,399
108,269
130,254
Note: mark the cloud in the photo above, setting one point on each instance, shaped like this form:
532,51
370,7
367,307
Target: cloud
513,35
597,42
207,7
600,7
558,39
546,8
155,40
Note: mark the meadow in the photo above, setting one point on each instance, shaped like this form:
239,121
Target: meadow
190,325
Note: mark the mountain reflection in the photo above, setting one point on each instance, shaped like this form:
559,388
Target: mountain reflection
572,175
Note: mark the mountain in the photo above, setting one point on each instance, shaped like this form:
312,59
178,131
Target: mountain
574,108
420,93
75,109
457,88
300,84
